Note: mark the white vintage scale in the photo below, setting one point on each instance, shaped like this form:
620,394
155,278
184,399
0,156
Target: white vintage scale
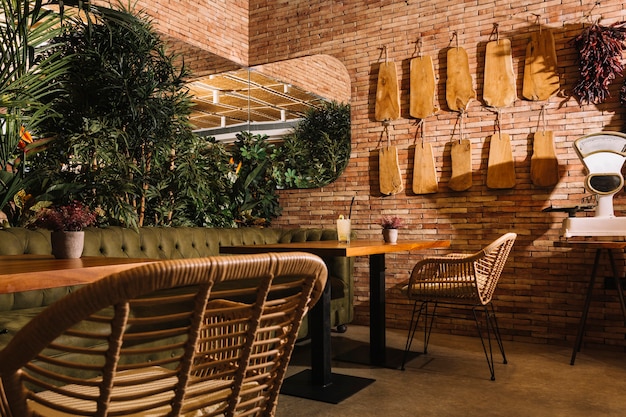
603,154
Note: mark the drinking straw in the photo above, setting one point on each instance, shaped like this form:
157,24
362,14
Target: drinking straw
350,212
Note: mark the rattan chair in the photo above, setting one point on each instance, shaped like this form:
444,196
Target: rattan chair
194,337
459,279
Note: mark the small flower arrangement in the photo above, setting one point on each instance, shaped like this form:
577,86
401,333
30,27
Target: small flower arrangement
391,222
72,217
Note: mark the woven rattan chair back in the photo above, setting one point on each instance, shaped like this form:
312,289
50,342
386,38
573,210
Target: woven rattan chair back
462,277
194,337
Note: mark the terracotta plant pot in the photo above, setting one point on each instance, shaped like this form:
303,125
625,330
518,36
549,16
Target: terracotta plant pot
67,245
390,235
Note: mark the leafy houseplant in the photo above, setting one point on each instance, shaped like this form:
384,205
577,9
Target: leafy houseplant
124,132
390,225
66,223
27,80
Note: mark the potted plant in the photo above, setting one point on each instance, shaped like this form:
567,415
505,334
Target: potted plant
66,223
390,225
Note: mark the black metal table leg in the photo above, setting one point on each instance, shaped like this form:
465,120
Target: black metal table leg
583,318
377,353
320,383
618,285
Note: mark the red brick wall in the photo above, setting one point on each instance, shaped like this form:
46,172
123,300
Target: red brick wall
541,292
217,26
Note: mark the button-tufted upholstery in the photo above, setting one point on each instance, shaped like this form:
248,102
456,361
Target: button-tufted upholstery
162,243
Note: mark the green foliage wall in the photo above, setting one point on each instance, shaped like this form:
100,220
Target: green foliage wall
318,149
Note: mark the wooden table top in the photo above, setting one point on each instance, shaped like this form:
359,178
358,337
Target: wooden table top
35,272
590,244
334,248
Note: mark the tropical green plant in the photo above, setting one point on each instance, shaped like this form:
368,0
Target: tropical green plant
318,149
124,132
27,79
254,199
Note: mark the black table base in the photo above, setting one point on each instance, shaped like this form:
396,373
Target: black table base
342,386
392,359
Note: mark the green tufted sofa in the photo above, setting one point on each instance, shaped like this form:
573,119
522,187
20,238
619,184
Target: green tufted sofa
162,243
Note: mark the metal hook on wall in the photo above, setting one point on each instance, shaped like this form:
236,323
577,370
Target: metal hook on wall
418,47
455,37
537,17
495,33
386,132
587,16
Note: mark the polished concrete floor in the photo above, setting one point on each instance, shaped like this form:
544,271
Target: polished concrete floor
453,380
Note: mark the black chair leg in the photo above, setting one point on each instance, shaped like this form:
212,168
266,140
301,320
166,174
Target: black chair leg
412,328
496,331
492,325
428,328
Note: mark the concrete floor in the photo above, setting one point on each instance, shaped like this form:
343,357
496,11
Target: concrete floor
453,380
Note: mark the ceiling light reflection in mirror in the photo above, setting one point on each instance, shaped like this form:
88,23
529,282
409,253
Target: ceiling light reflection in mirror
246,100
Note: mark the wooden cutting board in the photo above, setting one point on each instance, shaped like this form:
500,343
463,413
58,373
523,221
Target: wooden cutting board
459,88
422,88
389,176
461,155
387,106
544,166
499,80
500,167
424,173
541,79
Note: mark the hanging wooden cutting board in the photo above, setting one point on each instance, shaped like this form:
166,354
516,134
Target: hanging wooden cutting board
544,166
499,86
424,173
390,178
461,156
500,167
541,79
422,88
387,106
459,88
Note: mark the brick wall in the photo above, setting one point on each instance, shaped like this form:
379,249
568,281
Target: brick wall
202,25
541,292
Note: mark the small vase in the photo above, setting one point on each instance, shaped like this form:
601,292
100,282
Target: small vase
67,245
390,235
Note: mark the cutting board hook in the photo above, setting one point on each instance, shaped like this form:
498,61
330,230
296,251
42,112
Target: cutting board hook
386,132
537,17
542,118
495,35
461,120
455,37
497,124
420,132
418,47
384,49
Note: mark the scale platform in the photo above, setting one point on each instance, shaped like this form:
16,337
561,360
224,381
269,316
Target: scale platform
594,226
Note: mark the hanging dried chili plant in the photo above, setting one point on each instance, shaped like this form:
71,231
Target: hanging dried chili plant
600,61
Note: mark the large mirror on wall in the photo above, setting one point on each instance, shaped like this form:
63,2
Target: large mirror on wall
302,105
